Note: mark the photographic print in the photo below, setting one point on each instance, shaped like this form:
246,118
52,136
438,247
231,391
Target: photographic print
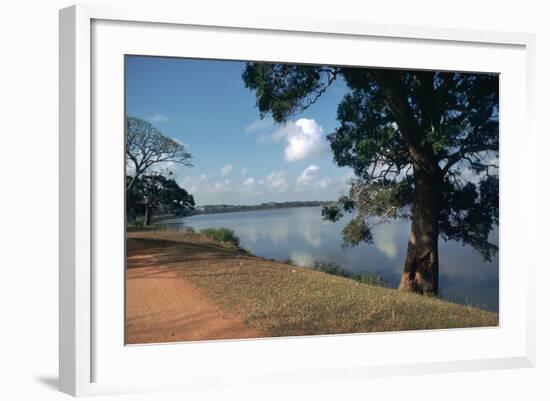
272,200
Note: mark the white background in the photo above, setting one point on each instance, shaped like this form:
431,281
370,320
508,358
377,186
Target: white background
237,360
29,169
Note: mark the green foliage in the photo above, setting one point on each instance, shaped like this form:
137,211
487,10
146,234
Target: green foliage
334,269
281,87
160,195
147,150
331,213
224,235
138,222
330,267
355,232
372,279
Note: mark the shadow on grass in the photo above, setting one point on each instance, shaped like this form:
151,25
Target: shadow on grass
168,252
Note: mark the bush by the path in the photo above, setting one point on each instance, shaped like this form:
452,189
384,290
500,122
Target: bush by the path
222,234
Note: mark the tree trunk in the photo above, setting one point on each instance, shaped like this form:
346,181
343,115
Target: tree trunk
421,272
130,217
148,215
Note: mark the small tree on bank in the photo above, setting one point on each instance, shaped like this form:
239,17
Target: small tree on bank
146,148
154,193
422,144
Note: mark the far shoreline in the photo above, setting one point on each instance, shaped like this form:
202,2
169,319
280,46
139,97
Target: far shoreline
172,219
217,209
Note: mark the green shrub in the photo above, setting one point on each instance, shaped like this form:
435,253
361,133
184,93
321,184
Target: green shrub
331,268
334,269
371,278
223,235
138,222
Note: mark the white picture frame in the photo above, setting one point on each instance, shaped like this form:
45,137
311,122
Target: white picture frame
91,40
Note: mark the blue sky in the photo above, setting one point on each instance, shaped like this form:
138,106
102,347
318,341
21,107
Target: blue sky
237,158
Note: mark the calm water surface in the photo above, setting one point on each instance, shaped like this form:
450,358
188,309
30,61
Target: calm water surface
301,235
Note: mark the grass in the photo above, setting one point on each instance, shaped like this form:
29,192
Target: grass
279,299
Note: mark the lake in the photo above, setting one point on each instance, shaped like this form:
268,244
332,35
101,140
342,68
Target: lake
301,235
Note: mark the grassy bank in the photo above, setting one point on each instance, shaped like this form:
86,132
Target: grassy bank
280,299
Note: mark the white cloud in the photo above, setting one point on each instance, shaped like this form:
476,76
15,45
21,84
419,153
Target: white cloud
311,236
201,185
324,183
307,176
244,171
158,118
277,180
277,186
226,169
304,139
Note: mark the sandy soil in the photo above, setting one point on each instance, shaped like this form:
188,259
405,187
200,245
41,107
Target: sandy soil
163,307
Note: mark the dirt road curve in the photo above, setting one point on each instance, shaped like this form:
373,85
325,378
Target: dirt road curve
163,307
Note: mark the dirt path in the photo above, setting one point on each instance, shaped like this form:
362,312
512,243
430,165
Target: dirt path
163,307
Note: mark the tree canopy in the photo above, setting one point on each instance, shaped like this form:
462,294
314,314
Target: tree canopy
155,193
394,127
146,147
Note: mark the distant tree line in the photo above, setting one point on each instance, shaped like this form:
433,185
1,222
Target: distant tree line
209,209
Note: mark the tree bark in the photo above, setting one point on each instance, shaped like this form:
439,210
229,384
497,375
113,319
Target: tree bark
421,271
148,215
130,217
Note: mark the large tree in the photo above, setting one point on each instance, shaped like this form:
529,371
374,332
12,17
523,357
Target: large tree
147,148
155,193
422,144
